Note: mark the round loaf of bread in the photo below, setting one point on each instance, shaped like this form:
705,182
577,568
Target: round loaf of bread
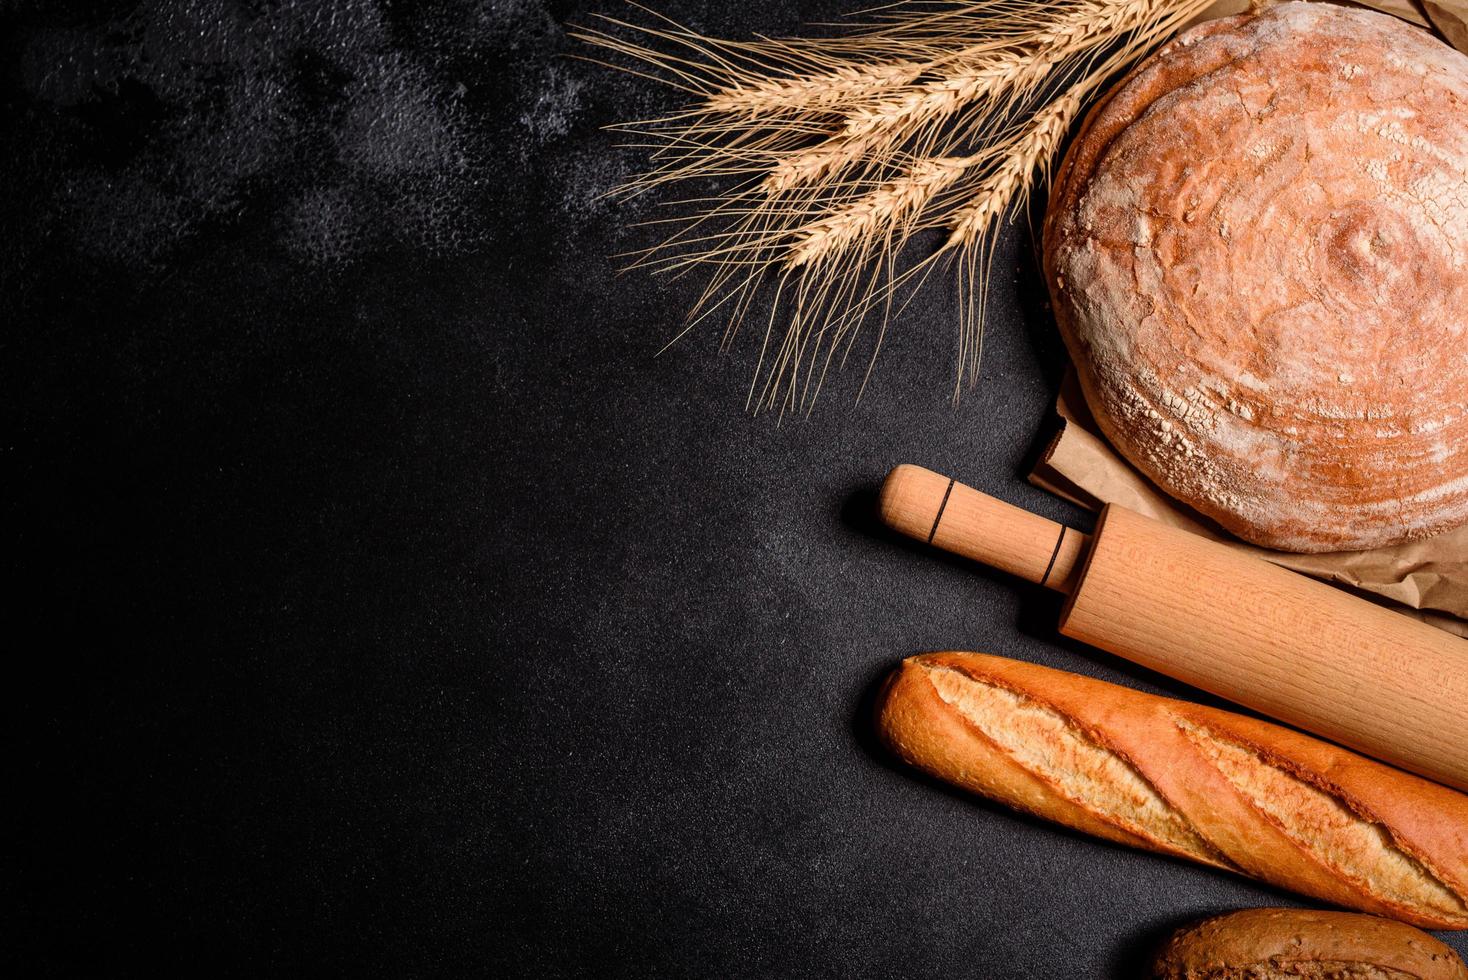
1257,249
1280,944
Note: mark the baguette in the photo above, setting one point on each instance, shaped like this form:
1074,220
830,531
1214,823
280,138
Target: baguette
1276,944
1211,786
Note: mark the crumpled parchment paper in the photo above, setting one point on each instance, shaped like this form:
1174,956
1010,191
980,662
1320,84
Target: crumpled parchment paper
1426,578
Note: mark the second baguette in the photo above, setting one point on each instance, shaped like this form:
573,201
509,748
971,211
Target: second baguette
1212,786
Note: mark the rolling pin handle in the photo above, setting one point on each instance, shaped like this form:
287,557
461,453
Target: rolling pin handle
934,508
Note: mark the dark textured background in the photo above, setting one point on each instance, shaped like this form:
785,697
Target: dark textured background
385,606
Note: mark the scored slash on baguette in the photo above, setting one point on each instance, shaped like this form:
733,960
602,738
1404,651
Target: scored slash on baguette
1199,783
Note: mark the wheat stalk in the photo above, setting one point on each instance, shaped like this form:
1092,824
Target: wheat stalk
878,129
812,165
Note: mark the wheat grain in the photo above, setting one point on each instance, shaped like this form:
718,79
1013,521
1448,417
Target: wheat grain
810,92
934,101
888,206
816,163
1096,20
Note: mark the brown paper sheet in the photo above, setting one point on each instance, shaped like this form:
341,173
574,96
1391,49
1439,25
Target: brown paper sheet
1427,579
1406,9
1450,17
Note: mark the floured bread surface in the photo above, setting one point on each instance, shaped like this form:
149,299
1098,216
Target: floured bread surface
1258,251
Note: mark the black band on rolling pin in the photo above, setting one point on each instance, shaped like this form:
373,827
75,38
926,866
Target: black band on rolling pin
940,511
1050,567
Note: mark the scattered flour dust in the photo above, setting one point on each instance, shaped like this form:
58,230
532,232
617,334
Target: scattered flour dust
353,124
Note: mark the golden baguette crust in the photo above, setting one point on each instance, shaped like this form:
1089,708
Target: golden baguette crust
1265,944
1183,779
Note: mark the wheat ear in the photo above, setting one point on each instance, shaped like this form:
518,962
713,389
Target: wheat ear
809,92
888,206
1016,174
971,227
940,99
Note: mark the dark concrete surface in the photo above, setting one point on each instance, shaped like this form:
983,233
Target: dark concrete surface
386,607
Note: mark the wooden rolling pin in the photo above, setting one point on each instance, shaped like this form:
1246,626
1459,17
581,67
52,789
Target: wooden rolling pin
1257,634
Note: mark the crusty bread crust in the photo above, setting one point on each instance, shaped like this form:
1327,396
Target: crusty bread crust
1276,944
1257,250
1194,782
